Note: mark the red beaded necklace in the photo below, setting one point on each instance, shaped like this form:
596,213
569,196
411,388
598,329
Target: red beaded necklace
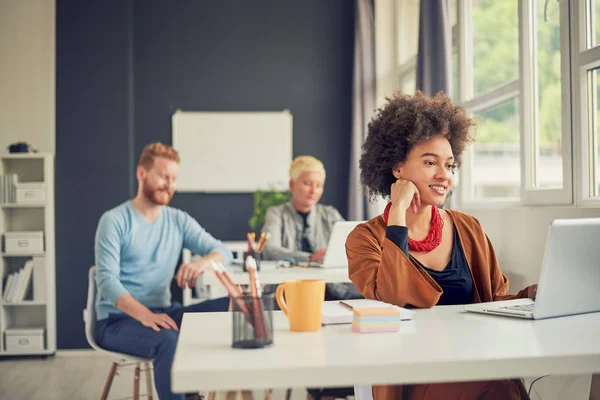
433,239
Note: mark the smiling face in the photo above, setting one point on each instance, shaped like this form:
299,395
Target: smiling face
158,182
430,166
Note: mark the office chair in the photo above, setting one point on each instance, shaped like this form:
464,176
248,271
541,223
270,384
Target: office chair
124,360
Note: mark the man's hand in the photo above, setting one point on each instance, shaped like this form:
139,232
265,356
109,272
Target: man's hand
189,272
318,255
532,291
157,321
138,311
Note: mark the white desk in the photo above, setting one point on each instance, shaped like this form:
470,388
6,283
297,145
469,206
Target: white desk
268,274
439,345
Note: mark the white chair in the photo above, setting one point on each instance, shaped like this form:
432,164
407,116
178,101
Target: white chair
237,248
124,360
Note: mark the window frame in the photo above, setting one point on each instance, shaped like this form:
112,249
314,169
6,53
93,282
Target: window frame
530,194
524,89
584,59
408,65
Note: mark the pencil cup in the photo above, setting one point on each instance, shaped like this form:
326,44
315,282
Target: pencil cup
257,256
252,321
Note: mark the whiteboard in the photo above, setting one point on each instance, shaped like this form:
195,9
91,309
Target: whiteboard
232,151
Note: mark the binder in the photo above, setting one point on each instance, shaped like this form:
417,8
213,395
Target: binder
25,282
7,286
39,278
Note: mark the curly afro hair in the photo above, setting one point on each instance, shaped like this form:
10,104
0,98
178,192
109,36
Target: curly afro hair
402,123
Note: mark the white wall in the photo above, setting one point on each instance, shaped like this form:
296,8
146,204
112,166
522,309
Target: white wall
519,236
27,73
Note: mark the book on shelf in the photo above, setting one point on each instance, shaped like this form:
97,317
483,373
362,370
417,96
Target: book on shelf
13,288
8,285
8,188
18,283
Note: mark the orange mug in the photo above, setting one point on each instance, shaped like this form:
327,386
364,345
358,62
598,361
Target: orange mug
303,303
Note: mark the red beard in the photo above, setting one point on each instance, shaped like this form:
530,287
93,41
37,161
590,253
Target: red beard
158,196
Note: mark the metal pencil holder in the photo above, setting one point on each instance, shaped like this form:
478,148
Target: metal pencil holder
257,257
252,321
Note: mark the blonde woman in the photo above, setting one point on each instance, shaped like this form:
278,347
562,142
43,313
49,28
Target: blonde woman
300,228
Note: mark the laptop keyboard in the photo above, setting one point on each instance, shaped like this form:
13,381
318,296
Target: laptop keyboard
523,307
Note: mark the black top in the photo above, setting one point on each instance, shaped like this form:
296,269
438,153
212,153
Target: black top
455,280
306,246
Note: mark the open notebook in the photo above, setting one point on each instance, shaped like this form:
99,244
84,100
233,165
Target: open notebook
340,312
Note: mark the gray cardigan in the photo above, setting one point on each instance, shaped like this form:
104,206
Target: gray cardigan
285,226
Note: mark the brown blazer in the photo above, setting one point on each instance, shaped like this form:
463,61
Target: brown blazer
380,270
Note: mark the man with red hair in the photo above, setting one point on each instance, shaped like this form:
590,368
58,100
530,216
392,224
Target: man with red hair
138,244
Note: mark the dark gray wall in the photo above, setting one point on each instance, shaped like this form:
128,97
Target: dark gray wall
123,68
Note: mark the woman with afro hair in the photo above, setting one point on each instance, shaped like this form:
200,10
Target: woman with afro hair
416,253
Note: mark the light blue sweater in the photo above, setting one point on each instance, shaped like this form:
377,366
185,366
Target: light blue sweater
139,257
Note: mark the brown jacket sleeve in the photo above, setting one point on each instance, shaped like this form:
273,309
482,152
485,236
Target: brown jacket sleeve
381,271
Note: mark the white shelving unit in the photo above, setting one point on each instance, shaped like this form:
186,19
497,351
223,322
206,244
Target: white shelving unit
37,310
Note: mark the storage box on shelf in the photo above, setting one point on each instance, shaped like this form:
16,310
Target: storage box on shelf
30,193
24,340
27,263
28,242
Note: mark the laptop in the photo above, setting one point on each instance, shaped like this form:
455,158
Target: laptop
570,276
335,256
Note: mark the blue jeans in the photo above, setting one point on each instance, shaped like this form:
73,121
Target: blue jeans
123,334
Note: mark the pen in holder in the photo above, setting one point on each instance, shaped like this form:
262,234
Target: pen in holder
254,254
255,248
252,327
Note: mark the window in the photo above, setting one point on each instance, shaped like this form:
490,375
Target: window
527,71
593,133
548,151
495,42
453,11
407,33
408,44
489,89
593,23
546,91
496,172
513,73
586,102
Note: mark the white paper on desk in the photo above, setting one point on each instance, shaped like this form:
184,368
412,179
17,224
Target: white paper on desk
335,313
